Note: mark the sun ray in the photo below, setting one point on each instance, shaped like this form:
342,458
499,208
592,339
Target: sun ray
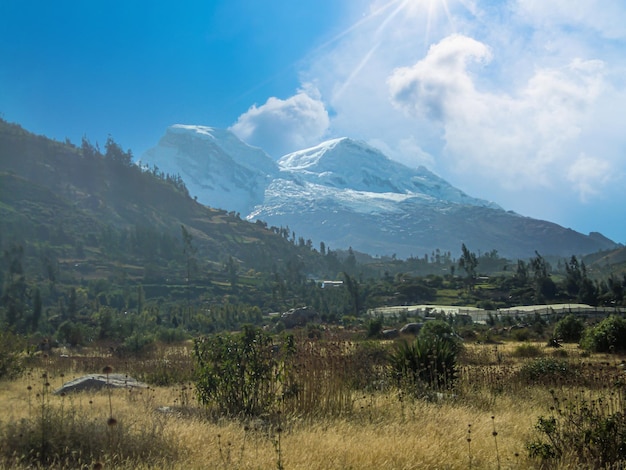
377,41
366,19
384,15
356,71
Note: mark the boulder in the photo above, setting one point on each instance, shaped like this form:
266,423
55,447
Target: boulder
390,334
300,317
98,381
411,328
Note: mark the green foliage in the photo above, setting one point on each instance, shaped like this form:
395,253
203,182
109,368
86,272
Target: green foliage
589,433
73,334
569,329
138,343
442,330
523,334
11,350
374,327
171,335
468,262
241,374
527,350
416,291
547,371
428,362
607,336
578,284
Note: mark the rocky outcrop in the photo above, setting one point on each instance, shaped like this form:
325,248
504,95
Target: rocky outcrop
99,381
300,317
411,328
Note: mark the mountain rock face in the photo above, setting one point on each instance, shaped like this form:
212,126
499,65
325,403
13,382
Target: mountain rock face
346,193
217,167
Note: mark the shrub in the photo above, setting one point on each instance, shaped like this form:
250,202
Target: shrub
521,335
375,327
73,334
607,336
439,329
138,344
527,350
241,374
569,329
548,371
11,348
582,433
172,335
427,361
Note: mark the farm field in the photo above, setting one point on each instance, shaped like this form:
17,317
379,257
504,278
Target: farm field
499,395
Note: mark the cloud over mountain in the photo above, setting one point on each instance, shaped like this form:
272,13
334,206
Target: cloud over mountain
510,100
281,126
440,85
523,134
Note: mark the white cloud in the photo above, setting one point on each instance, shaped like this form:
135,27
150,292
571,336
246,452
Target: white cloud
515,101
603,17
520,138
589,175
433,85
282,126
407,151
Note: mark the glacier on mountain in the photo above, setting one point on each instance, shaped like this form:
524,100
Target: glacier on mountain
216,166
347,193
352,165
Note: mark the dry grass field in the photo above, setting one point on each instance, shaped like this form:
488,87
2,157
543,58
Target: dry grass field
486,422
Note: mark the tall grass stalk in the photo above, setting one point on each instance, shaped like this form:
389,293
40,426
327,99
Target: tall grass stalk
494,433
469,445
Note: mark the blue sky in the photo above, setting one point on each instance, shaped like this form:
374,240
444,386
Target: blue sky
517,101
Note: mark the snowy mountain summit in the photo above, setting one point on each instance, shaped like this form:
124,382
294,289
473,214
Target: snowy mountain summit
347,164
349,194
217,167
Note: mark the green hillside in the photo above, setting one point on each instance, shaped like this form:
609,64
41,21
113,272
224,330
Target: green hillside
75,221
95,248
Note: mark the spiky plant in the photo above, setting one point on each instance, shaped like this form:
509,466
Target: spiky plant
428,361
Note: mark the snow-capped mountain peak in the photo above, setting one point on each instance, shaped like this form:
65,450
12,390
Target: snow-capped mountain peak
240,152
348,193
217,167
348,164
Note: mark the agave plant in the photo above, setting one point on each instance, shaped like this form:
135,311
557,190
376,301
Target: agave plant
427,361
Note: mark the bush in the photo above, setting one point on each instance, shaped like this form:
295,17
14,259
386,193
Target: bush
138,344
527,350
440,329
241,374
548,371
569,329
11,349
582,433
428,361
375,327
171,335
607,336
521,335
73,334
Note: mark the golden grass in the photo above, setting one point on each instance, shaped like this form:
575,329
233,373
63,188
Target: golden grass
382,431
383,434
